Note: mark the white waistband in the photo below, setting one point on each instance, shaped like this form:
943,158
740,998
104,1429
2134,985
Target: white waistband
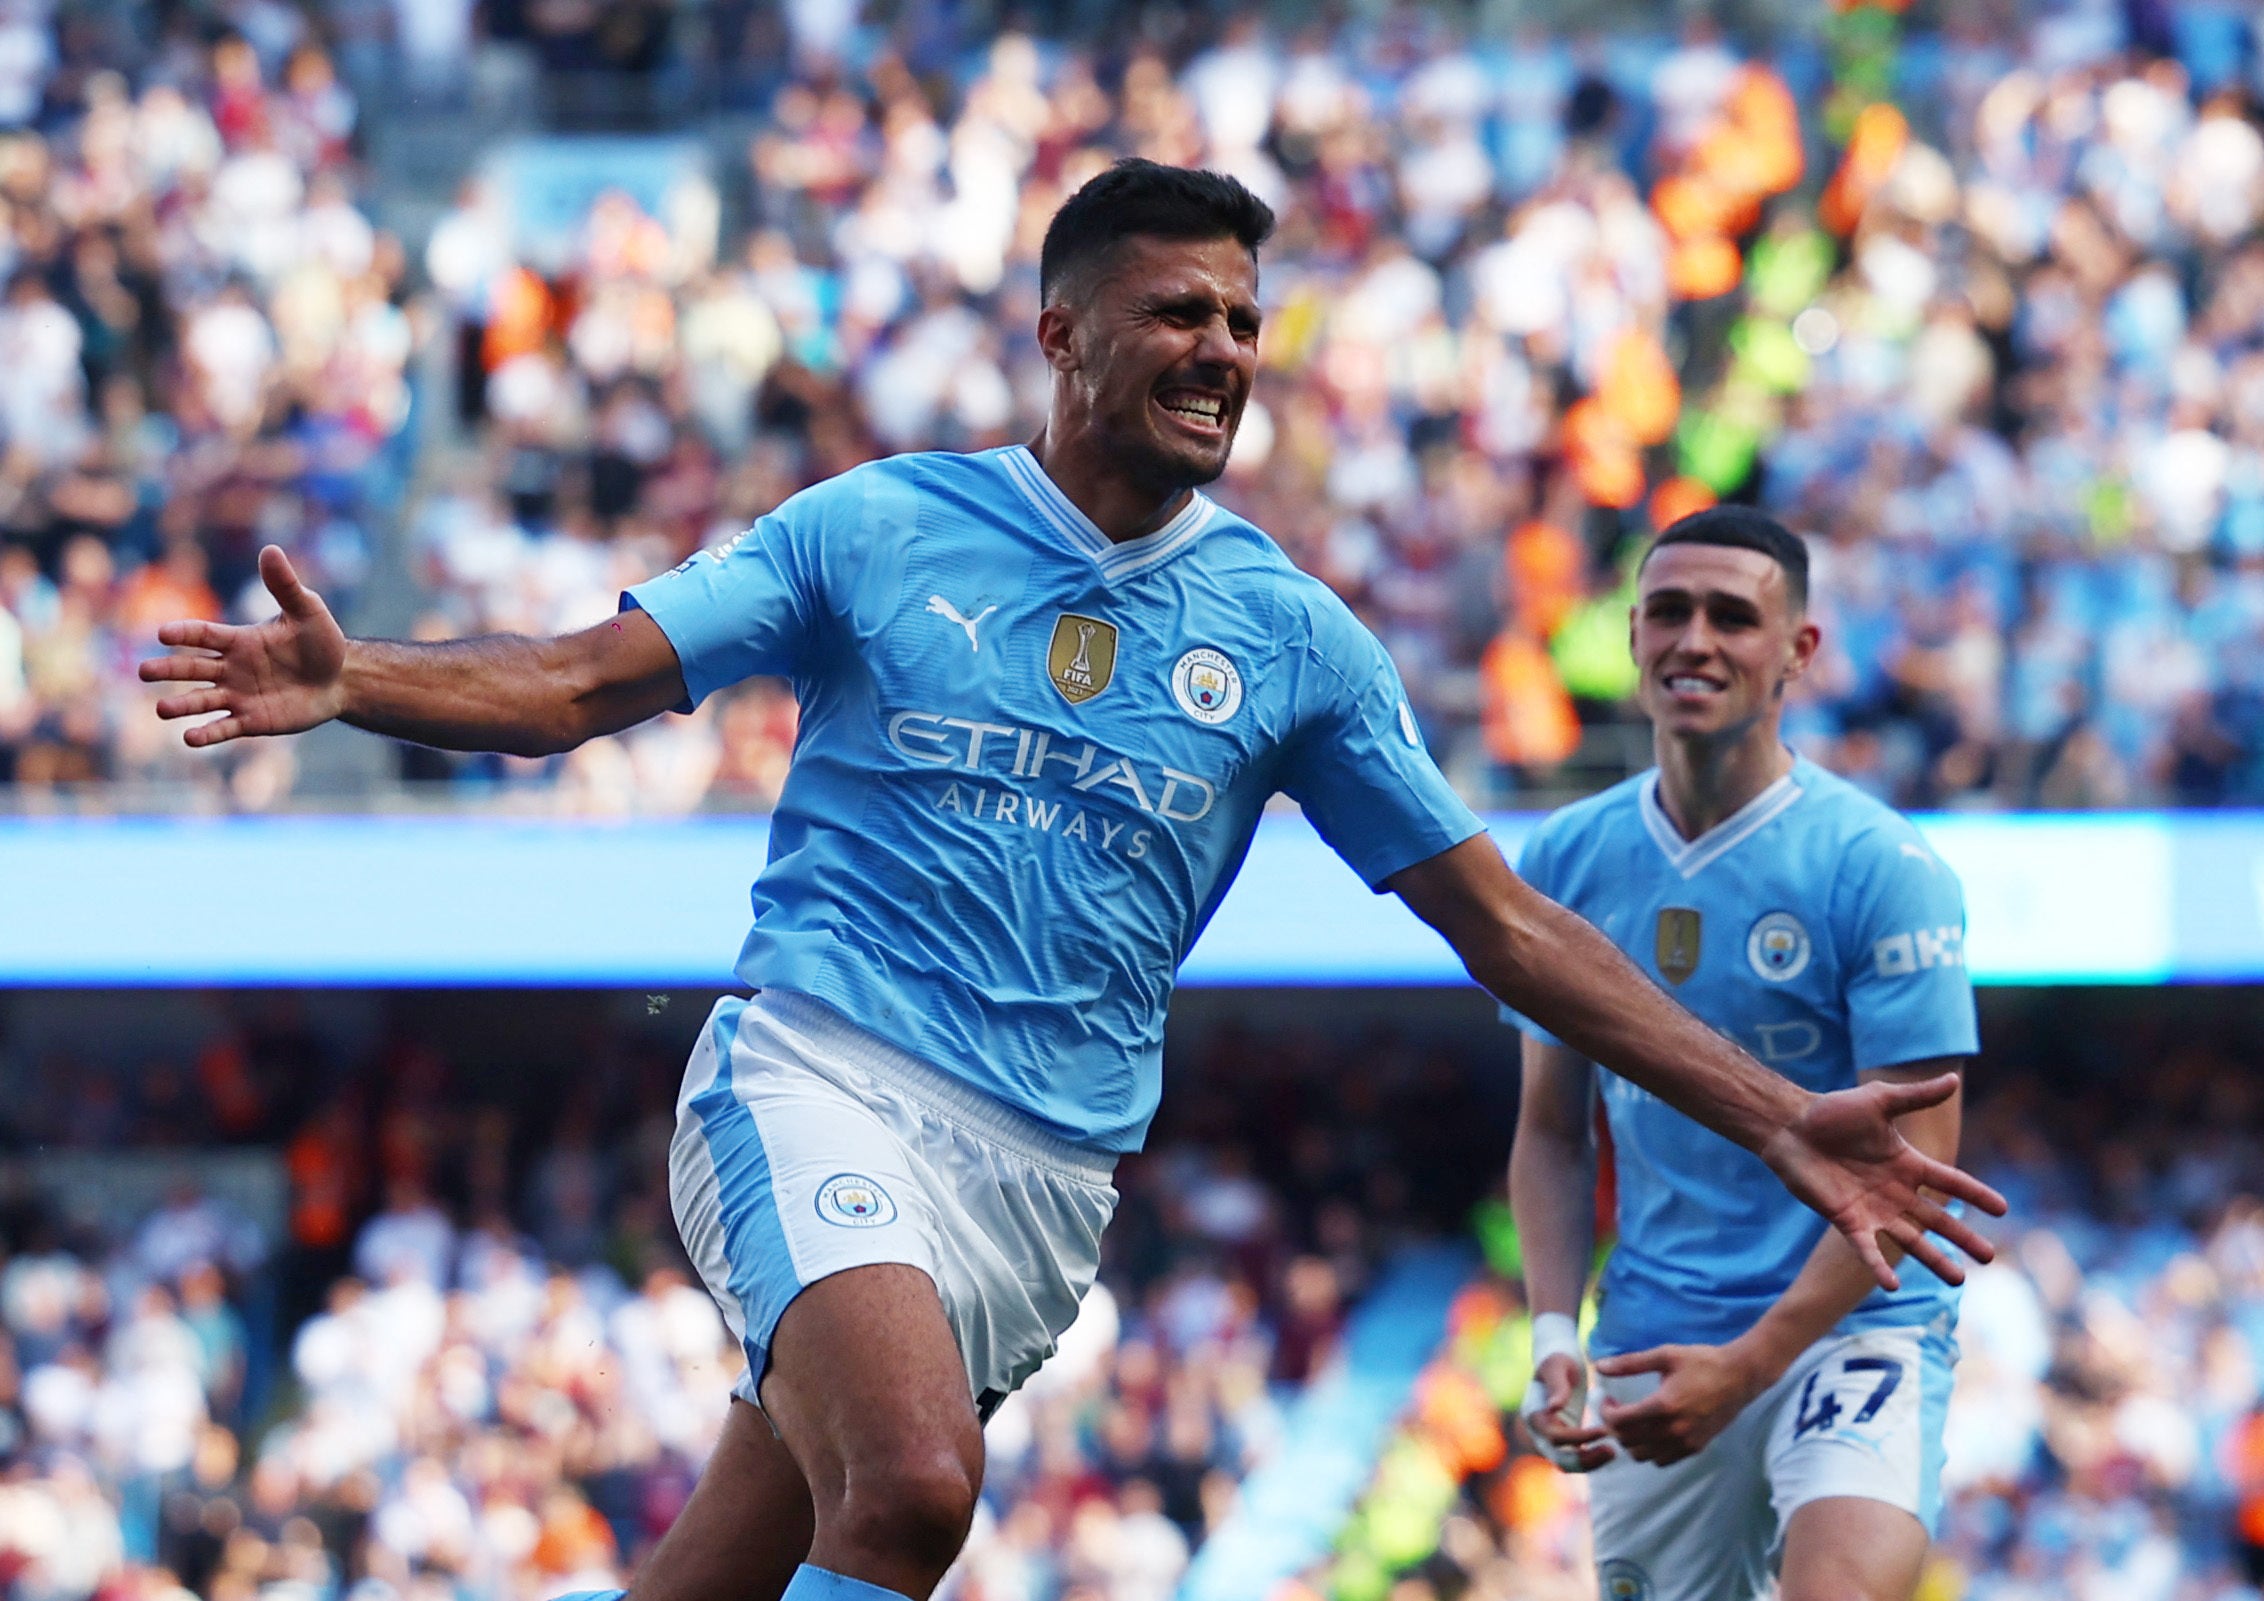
833,1034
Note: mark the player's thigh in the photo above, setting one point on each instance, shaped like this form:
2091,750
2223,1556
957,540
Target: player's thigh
1855,1443
1697,1530
1849,1548
780,1179
866,1379
746,1527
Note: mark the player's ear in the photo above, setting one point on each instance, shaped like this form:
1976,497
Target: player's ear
1806,640
1057,337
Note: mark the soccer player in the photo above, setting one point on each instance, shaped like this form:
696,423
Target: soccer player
1045,693
1764,1400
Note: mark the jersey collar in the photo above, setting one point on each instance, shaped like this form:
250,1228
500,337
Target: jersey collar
1690,856
1116,561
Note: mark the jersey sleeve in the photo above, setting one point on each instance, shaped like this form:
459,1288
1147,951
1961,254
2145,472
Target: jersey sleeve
751,605
1358,765
1909,997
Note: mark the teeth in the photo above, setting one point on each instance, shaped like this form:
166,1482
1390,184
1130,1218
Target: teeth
1208,410
1694,685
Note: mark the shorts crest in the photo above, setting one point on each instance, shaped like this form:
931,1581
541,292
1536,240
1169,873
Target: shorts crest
854,1201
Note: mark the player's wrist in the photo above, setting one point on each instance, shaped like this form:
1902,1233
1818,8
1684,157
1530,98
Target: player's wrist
1557,1334
1762,1354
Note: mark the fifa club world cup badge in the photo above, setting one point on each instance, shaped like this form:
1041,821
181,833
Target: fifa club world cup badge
1677,947
1082,658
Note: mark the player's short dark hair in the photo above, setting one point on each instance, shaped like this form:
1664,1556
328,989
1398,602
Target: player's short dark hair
1743,528
1137,198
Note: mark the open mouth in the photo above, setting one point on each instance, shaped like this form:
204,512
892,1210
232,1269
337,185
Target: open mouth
1199,411
1692,685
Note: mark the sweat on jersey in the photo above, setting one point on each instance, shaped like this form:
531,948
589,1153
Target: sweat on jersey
1816,929
1031,761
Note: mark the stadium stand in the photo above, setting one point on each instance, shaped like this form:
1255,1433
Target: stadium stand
491,1374
501,1380
1979,307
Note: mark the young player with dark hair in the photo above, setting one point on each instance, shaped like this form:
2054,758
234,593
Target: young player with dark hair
1766,1402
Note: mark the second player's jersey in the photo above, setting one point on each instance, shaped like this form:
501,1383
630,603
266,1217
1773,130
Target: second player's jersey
1031,761
1817,929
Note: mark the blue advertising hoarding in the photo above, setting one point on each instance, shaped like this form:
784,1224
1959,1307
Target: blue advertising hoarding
2095,899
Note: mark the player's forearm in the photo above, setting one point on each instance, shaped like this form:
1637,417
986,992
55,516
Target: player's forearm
502,692
1552,1196
1564,975
1834,1281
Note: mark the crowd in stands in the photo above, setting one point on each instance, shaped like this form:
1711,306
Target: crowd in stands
466,1358
1981,310
202,349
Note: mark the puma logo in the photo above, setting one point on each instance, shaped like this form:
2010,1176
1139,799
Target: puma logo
943,608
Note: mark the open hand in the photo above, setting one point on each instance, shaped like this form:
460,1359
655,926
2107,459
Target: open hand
1844,1157
1703,1389
1554,1413
278,677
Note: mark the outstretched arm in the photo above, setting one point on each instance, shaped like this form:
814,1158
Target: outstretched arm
525,697
1704,1387
1838,1153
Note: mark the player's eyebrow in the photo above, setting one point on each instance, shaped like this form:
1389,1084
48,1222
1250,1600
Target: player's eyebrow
1675,593
1194,303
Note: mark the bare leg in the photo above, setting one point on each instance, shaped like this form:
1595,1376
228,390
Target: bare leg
869,1392
745,1529
1846,1548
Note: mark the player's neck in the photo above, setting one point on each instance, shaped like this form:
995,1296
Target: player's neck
1705,782
1119,505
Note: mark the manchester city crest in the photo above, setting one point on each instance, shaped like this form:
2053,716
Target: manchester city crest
854,1201
1207,686
1621,1580
1779,947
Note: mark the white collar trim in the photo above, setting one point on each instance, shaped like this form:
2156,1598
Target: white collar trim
1117,561
1690,856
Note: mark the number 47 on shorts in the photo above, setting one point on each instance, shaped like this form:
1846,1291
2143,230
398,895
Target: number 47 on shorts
1880,1374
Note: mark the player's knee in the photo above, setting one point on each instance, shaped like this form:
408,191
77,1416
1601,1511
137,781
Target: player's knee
914,1507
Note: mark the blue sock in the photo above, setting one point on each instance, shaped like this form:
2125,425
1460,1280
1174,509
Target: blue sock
817,1584
591,1595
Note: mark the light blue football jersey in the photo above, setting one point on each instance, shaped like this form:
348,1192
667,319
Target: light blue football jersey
1817,929
1031,761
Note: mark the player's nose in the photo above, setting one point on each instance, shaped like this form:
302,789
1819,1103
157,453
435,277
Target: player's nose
1216,349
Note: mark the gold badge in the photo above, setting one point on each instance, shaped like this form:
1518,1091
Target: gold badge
1678,943
1082,657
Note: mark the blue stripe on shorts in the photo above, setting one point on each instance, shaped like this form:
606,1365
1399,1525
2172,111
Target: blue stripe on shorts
1937,1371
762,1267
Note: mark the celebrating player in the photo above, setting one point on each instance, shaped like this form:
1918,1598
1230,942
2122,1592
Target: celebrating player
1045,693
1797,1415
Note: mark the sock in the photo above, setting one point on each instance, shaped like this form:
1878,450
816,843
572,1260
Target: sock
592,1595
817,1584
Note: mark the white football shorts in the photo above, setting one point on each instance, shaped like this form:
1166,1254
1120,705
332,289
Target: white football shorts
1858,1415
805,1146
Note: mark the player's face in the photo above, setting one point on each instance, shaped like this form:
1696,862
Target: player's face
1162,355
1717,640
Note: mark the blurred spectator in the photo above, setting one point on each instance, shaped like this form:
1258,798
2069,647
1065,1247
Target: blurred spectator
1992,344
466,1405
